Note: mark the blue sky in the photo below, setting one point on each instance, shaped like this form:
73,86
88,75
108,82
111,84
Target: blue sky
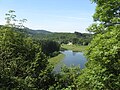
51,15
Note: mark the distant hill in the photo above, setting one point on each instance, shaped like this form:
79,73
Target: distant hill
76,37
34,32
38,31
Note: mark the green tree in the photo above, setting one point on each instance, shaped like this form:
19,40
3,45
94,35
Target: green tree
107,13
103,68
49,47
66,78
22,63
75,40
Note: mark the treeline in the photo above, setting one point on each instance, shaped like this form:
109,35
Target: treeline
62,38
75,38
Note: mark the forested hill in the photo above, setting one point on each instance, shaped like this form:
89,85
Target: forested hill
76,37
33,32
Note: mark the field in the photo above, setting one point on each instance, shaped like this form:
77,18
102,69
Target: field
56,59
77,48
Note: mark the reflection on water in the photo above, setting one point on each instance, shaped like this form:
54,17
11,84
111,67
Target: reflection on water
74,53
72,58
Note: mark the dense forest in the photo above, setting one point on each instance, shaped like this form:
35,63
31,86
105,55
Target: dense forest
24,54
62,38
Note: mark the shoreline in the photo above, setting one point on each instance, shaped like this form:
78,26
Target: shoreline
54,60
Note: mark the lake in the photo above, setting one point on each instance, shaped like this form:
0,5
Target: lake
71,58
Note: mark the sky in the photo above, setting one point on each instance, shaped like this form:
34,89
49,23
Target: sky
51,15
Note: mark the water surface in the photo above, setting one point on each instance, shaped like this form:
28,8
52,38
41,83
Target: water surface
71,58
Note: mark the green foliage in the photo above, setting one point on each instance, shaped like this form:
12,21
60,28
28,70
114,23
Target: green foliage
107,12
75,40
103,67
49,47
96,28
22,64
66,79
102,71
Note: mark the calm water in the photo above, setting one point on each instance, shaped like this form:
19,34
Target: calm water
71,58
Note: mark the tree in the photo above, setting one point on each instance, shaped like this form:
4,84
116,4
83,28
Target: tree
75,40
11,20
22,63
21,23
66,79
103,68
49,47
18,55
107,13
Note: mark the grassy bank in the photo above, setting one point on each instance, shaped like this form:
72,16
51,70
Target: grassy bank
77,48
56,59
